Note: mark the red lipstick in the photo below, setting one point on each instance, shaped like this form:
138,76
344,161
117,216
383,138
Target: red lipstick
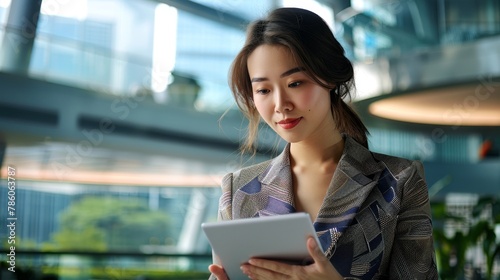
289,123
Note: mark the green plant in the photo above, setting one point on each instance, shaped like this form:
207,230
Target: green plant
484,231
451,250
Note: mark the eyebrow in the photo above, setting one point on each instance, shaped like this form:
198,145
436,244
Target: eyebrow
284,74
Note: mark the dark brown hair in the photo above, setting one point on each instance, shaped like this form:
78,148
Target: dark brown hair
315,49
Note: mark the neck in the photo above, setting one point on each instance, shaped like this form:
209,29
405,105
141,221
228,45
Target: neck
320,151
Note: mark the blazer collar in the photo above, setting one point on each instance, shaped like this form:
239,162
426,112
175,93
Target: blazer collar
356,162
356,174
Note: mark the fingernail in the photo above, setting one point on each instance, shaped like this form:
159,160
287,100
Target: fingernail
245,271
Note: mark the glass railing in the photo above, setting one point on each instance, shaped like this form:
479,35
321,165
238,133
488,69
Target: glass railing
36,265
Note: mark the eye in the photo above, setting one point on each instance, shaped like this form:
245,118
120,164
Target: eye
262,91
294,84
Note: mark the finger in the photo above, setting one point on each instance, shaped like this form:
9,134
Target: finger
259,272
218,271
323,264
272,266
315,251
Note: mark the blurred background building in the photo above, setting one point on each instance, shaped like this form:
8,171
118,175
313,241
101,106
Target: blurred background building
110,124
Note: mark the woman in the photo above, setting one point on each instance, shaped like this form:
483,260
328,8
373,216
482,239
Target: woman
371,211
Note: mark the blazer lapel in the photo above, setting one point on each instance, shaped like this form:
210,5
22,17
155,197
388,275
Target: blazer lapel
356,175
277,184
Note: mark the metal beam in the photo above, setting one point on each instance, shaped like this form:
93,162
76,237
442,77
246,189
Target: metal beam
209,13
359,18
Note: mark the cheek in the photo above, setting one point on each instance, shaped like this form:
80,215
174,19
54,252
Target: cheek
313,100
264,108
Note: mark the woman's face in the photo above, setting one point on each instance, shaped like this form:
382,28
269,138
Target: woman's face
288,100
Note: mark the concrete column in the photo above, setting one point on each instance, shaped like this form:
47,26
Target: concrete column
19,36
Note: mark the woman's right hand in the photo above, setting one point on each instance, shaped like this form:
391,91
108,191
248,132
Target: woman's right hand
218,272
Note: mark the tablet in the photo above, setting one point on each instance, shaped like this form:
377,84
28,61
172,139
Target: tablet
280,237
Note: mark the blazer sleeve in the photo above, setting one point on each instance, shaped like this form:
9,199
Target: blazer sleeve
226,199
225,208
413,255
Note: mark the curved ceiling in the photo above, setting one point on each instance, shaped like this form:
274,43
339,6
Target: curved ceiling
464,105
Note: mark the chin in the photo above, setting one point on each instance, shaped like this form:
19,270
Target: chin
291,139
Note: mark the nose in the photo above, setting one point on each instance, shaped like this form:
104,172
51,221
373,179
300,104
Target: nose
282,101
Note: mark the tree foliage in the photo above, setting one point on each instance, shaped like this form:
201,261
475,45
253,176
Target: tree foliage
110,223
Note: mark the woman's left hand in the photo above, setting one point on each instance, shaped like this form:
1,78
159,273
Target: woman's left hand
266,269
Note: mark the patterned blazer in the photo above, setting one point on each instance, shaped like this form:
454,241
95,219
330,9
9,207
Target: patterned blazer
375,221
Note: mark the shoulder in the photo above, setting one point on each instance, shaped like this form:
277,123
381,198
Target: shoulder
243,176
368,161
409,180
234,181
252,170
263,169
398,165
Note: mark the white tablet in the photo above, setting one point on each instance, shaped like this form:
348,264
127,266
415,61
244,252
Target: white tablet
281,237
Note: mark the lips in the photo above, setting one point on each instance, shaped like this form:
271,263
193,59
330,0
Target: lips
289,123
